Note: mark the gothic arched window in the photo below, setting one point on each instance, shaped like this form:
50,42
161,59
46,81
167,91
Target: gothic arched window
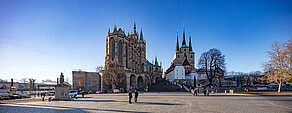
126,56
120,58
113,50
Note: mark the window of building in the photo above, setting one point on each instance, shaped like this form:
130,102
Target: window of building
113,50
120,58
126,56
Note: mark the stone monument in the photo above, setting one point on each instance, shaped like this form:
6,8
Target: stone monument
62,89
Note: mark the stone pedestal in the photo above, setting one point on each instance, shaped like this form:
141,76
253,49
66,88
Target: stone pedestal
62,92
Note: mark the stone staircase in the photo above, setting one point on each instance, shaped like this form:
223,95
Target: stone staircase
165,87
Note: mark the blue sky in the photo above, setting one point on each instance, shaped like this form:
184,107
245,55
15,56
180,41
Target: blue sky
39,39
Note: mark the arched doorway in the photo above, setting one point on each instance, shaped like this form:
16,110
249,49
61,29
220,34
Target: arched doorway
132,82
140,83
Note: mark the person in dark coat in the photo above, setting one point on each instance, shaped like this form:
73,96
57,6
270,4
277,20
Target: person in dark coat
198,91
136,96
130,97
205,91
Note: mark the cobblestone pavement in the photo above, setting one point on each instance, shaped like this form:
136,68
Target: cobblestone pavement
173,102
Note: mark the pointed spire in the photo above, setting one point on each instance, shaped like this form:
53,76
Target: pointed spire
183,40
115,27
177,45
134,27
141,37
190,42
156,62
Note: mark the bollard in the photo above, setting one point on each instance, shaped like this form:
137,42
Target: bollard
50,99
43,98
225,91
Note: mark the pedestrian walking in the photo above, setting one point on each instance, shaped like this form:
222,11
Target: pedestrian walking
136,96
130,97
205,91
198,91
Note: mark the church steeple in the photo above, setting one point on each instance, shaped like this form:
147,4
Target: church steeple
177,45
183,40
156,61
115,28
190,42
134,28
141,37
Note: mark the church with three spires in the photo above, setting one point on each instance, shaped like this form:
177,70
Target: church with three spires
182,68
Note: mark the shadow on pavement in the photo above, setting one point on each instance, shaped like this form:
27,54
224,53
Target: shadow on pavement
99,101
149,103
25,109
249,95
83,97
11,109
230,96
152,103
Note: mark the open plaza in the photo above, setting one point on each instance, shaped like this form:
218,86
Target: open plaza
155,102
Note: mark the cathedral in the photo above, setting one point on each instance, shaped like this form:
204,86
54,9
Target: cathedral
126,65
182,68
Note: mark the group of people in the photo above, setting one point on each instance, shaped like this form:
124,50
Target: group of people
131,96
195,91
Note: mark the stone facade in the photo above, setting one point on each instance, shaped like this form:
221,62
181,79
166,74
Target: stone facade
62,89
126,65
86,81
126,55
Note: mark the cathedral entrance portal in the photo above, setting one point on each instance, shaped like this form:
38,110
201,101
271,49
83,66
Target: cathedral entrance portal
140,83
132,82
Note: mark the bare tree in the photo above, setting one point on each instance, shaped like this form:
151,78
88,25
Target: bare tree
23,80
212,62
2,80
99,68
279,67
47,80
31,83
114,80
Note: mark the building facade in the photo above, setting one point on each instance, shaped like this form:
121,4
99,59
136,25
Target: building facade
182,67
86,81
126,65
184,56
177,73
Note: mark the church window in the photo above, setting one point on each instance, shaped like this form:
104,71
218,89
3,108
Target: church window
120,57
126,57
113,50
